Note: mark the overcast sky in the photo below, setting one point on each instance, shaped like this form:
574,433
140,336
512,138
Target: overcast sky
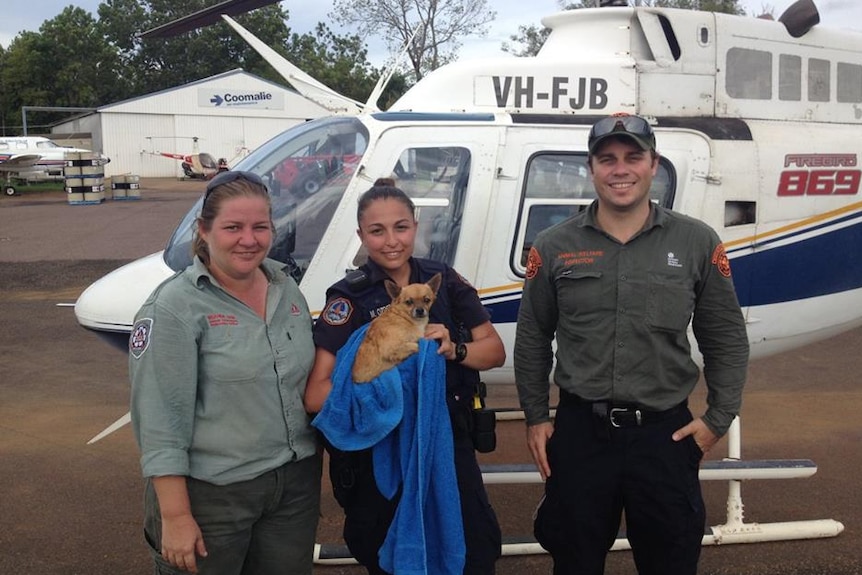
16,16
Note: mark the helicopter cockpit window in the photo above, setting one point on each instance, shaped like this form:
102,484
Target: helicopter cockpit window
436,180
558,186
307,169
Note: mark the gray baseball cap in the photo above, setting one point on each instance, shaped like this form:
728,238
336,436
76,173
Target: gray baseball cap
634,127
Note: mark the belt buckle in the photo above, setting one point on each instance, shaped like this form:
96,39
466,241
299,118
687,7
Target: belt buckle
614,411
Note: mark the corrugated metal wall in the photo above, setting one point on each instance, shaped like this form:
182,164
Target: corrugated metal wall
191,119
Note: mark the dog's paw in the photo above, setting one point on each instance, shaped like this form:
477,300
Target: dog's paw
363,375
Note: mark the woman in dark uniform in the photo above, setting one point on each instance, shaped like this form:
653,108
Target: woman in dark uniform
469,342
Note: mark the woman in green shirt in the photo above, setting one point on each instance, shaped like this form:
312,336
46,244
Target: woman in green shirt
219,356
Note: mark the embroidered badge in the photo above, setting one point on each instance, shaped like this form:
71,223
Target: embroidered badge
376,312
217,319
534,262
337,312
294,309
673,261
139,341
720,261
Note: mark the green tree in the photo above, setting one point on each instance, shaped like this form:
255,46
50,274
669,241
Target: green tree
340,62
436,26
530,38
723,6
158,63
67,63
5,117
75,60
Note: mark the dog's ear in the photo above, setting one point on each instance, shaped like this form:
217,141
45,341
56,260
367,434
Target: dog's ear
392,289
434,282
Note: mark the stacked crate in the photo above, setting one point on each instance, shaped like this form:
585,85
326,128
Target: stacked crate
126,187
84,174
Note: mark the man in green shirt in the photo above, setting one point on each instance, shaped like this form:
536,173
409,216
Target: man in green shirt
617,286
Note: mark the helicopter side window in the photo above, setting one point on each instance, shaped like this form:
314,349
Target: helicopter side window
789,78
849,79
436,180
307,169
749,74
818,80
557,187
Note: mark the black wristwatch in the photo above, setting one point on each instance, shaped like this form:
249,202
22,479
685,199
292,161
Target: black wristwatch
460,352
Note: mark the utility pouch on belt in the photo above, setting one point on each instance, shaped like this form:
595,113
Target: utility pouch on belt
484,432
348,471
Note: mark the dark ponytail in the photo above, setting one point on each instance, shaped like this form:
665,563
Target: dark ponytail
384,189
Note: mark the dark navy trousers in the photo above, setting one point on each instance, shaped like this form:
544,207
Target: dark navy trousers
599,472
367,514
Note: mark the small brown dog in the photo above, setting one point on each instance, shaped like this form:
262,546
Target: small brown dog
394,335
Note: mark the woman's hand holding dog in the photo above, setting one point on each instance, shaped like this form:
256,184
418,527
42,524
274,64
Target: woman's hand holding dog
439,332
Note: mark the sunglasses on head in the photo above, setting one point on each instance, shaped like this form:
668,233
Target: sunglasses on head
622,123
232,176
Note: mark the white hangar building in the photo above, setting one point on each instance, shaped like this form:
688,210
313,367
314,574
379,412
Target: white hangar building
225,115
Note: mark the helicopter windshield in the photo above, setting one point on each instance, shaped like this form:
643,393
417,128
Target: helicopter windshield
307,169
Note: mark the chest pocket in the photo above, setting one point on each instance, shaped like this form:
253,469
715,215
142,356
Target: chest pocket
580,292
670,303
227,357
297,342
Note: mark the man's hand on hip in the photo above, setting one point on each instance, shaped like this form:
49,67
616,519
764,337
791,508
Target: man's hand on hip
537,441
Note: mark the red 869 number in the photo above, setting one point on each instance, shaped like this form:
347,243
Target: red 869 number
819,182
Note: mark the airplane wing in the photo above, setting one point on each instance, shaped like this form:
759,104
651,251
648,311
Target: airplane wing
302,82
19,163
205,17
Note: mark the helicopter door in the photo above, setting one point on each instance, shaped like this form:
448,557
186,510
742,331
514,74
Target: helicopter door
440,173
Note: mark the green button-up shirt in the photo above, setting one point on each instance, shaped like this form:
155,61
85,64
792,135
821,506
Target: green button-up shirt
216,390
620,313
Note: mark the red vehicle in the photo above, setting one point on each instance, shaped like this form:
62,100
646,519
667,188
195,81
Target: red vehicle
304,175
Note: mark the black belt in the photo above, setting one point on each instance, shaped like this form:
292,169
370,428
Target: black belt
620,415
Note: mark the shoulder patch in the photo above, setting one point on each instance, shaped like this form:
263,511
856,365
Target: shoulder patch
534,262
338,311
139,341
720,261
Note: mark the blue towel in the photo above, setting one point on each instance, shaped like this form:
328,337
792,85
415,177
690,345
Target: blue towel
402,413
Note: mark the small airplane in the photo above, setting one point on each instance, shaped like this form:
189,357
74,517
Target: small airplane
33,158
19,165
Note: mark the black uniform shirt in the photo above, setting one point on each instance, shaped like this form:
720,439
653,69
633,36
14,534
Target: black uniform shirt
361,296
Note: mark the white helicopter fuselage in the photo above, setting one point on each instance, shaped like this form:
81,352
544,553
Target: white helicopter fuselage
758,133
